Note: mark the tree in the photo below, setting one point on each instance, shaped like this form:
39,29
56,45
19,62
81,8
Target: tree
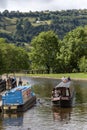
74,46
45,48
27,30
83,64
27,25
16,58
12,58
19,33
2,61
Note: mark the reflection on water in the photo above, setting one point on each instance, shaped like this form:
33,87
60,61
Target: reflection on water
61,114
81,92
46,117
10,120
13,119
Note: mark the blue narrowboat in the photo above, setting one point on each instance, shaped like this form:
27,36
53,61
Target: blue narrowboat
18,99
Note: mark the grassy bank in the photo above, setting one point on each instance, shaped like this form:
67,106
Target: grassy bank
72,75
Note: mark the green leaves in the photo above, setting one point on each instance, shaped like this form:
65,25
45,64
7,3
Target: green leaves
74,47
12,58
45,49
83,64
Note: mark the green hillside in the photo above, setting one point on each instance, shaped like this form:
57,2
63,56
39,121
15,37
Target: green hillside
20,27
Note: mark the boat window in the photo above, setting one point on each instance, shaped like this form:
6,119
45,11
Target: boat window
67,92
56,92
63,92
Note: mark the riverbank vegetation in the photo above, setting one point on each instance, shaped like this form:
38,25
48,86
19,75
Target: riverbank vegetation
60,56
76,76
48,53
12,58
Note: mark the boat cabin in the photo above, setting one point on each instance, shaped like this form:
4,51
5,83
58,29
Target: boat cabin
63,94
20,97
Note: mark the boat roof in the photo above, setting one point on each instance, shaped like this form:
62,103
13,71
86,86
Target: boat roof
20,88
64,84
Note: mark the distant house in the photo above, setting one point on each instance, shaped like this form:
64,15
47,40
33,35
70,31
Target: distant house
38,21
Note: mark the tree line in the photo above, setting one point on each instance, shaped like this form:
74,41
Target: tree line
12,58
47,52
60,56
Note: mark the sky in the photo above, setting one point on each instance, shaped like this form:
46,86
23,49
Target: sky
41,5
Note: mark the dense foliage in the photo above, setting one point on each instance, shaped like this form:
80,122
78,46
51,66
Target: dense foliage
73,48
61,56
52,41
45,48
12,58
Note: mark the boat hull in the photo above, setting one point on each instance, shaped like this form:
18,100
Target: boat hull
62,102
19,108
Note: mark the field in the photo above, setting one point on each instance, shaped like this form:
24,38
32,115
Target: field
82,76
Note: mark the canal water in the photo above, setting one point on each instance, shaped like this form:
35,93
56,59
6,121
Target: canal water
43,116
